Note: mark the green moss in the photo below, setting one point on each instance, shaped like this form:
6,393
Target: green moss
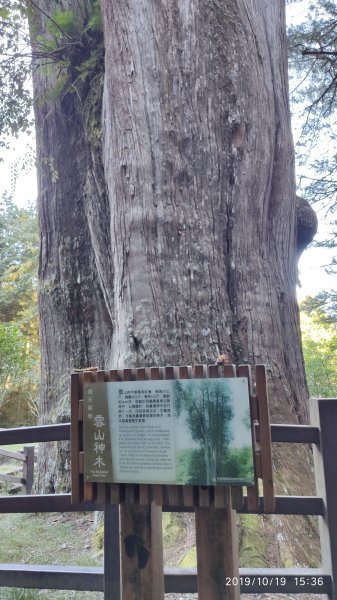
252,546
93,109
98,537
190,559
173,529
286,557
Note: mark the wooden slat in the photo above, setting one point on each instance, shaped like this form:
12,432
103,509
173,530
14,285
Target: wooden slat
80,410
15,455
12,478
220,497
284,505
175,496
76,447
103,489
294,434
280,432
245,371
198,371
236,492
202,492
229,370
28,470
237,497
219,492
88,486
265,438
116,489
157,490
38,433
252,491
131,489
114,375
187,490
52,577
116,493
144,489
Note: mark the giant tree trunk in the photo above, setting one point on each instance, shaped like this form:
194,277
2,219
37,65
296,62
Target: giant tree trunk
75,271
183,247
199,162
198,159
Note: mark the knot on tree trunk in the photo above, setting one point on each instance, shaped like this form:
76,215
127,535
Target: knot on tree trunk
306,221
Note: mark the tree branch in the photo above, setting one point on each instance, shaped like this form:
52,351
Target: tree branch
318,53
64,33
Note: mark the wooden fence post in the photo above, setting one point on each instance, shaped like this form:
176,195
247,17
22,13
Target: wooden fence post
142,571
28,469
217,552
112,583
324,414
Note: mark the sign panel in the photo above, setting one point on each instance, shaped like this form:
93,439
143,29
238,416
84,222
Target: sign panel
182,431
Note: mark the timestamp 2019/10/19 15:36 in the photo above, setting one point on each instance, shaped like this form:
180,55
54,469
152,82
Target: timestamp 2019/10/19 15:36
265,582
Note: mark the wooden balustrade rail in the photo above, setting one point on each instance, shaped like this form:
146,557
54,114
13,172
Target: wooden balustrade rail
106,579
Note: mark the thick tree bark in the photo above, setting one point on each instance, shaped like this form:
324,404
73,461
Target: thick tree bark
199,162
183,245
198,159
75,258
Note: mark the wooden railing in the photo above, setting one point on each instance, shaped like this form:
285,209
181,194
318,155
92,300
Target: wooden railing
26,458
106,579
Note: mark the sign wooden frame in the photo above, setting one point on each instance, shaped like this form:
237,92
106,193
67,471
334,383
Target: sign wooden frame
176,497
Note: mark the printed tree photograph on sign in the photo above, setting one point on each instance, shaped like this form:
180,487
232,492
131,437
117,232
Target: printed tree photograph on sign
217,438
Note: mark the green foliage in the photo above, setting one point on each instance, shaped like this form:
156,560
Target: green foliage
71,46
13,355
15,95
319,341
313,70
63,24
18,259
236,463
19,348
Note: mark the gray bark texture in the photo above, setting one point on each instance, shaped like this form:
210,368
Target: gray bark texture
198,160
172,238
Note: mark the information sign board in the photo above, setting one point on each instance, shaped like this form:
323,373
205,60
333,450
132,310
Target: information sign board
182,431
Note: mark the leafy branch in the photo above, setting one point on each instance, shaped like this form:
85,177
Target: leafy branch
71,42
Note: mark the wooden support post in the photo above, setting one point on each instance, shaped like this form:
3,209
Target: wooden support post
28,470
265,439
142,570
217,552
324,414
76,434
112,584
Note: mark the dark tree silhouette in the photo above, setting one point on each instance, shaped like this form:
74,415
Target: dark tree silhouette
209,413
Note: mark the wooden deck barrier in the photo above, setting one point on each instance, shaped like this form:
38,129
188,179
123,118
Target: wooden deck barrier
321,433
26,457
